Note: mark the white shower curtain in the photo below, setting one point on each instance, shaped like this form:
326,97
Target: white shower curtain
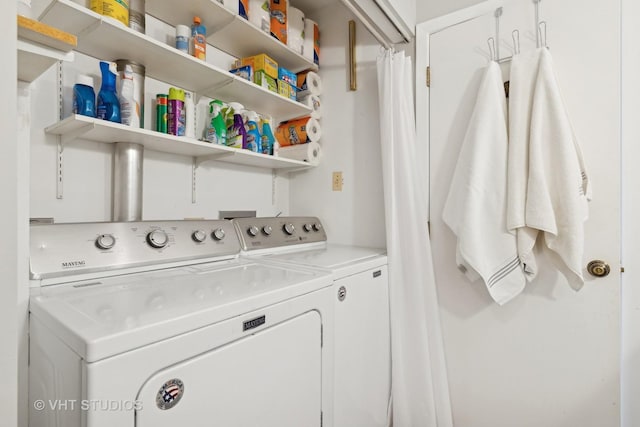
420,391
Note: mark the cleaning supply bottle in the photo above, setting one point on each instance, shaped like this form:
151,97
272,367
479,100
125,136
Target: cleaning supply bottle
190,115
199,39
237,134
268,140
254,139
108,104
216,132
129,109
176,112
84,97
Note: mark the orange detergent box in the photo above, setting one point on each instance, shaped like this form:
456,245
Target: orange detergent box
279,25
263,63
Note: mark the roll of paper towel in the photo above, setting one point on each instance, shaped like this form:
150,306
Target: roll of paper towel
309,84
311,45
298,131
295,33
309,153
313,102
259,14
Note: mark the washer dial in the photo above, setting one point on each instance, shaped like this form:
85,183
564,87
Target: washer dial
289,228
199,236
218,234
158,239
105,241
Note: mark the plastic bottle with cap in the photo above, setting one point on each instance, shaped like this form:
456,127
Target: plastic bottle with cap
183,37
129,110
254,139
236,133
84,97
216,131
108,103
268,140
199,39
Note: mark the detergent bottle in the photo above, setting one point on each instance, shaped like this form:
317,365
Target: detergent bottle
216,132
254,139
237,134
268,140
108,104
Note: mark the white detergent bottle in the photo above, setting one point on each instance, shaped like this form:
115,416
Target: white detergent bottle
190,115
129,110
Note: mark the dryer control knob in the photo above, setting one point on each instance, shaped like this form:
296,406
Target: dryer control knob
105,241
308,227
253,231
267,230
199,236
158,239
317,226
218,234
289,229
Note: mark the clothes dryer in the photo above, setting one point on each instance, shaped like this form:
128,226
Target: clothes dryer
362,363
162,324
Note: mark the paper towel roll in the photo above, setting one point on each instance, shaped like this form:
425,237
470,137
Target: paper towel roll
311,44
313,101
298,131
295,32
309,84
310,153
259,14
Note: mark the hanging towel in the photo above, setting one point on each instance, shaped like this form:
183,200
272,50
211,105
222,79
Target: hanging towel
477,202
558,188
523,76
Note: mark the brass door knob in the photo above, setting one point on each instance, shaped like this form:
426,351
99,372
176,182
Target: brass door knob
598,268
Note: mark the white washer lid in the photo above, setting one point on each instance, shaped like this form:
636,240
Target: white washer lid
105,317
341,259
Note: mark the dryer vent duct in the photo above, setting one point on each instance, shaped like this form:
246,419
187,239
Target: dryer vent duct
127,182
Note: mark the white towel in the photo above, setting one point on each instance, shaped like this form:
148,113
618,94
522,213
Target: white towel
558,188
523,76
477,202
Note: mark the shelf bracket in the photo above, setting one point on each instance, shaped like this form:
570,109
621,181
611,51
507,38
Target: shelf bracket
60,170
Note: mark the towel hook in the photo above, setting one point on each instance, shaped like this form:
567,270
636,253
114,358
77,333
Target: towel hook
492,48
542,33
515,36
497,14
537,3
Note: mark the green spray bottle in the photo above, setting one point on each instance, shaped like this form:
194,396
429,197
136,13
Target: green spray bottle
216,132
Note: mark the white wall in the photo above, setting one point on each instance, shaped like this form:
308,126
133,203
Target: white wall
350,140
630,212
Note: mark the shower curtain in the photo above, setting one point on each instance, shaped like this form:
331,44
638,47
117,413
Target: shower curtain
420,391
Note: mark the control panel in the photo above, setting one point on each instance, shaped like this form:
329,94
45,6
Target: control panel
66,249
274,232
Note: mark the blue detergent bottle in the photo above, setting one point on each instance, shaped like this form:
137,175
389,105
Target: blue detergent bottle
254,139
108,103
267,139
84,97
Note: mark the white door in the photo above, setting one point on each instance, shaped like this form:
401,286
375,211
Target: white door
551,356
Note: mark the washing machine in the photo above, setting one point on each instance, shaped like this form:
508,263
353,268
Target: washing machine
362,362
153,324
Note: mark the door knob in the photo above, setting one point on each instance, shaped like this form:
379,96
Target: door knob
598,268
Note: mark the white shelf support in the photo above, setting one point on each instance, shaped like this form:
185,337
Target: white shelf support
194,169
60,170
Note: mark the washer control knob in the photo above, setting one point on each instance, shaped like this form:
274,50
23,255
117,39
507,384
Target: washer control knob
317,226
308,227
158,239
267,230
289,228
105,241
253,231
218,234
199,236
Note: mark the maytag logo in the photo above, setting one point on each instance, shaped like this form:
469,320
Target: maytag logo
72,264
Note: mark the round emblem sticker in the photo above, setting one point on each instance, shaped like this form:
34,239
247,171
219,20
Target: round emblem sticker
170,394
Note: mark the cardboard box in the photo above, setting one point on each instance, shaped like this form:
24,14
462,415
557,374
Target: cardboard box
245,72
265,81
261,63
288,76
287,90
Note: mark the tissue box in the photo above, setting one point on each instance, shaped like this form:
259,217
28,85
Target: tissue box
265,81
288,76
261,63
287,90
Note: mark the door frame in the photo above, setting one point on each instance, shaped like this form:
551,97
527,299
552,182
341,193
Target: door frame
424,31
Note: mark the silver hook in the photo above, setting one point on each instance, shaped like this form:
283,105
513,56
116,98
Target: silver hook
492,48
515,36
537,3
542,33
497,14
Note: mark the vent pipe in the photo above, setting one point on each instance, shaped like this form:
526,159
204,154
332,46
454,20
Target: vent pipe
127,182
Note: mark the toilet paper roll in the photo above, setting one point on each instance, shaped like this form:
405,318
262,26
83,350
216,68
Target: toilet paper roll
313,102
309,84
259,14
298,131
295,32
311,44
310,153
